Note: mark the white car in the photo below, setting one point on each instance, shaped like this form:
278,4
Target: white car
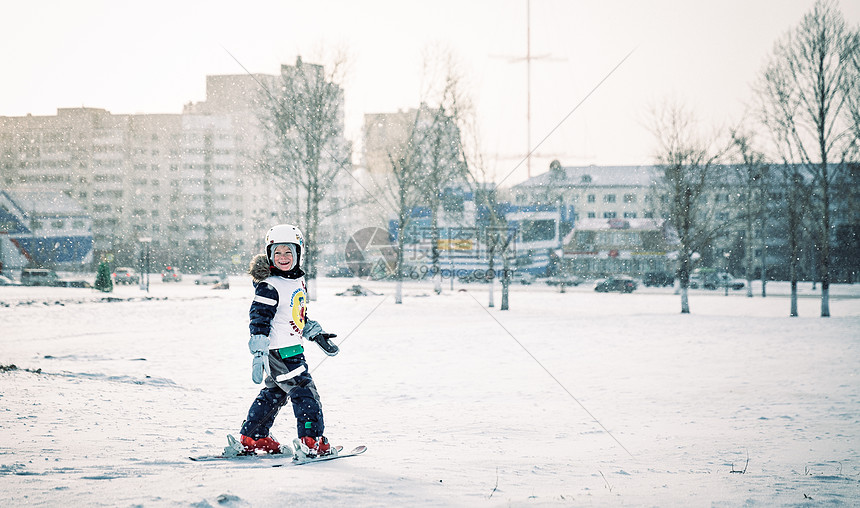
726,279
211,278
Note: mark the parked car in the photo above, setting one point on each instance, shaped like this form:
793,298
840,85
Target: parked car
7,281
658,279
567,280
725,279
703,278
171,274
46,277
708,278
125,275
615,283
211,278
39,277
73,284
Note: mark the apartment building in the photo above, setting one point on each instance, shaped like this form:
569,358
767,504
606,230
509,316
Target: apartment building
618,193
595,192
192,183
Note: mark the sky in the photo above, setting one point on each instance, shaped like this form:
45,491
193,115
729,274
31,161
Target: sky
598,67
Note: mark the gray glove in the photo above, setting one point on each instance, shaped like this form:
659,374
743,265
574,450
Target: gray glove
259,346
314,333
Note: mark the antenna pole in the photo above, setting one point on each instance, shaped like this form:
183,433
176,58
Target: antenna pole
528,89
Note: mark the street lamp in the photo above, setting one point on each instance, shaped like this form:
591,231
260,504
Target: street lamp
146,242
726,255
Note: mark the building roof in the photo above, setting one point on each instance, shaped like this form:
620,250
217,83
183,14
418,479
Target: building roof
45,204
600,176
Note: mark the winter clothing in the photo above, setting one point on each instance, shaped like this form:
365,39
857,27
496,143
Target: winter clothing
313,447
259,346
314,332
278,310
278,319
299,389
264,445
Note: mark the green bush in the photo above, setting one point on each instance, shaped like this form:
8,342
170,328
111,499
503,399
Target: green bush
103,280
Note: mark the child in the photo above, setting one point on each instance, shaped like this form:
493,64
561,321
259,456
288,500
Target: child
278,324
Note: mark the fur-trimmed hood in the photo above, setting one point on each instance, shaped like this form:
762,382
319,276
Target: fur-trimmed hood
260,269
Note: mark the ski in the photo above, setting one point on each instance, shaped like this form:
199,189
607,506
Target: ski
247,457
358,450
235,451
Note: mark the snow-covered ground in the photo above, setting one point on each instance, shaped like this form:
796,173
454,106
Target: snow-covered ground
565,400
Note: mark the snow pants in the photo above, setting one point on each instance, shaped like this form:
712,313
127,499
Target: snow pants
289,380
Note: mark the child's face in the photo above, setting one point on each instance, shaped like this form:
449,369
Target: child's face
282,258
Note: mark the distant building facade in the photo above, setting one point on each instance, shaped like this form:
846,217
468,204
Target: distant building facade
602,247
192,182
618,193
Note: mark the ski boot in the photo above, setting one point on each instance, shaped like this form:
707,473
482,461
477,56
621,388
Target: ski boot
260,446
312,447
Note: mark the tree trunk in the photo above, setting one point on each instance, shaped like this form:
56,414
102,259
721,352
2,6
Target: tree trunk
505,281
436,270
401,231
763,245
750,250
793,224
490,268
825,244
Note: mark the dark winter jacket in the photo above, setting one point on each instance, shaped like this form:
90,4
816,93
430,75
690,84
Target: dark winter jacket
279,306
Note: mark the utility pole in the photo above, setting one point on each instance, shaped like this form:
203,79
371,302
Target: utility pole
528,59
529,88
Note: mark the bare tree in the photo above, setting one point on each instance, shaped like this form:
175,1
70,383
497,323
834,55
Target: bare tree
752,174
805,92
496,234
399,188
690,169
424,156
796,209
404,167
441,164
306,149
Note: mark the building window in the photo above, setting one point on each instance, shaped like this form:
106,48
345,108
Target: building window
591,198
609,198
630,198
609,215
592,215
629,215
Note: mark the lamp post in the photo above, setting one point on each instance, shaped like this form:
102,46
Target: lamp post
146,242
726,255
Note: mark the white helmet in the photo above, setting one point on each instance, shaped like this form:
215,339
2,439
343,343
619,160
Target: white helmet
285,233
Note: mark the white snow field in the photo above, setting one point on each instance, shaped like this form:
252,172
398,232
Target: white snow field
567,399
